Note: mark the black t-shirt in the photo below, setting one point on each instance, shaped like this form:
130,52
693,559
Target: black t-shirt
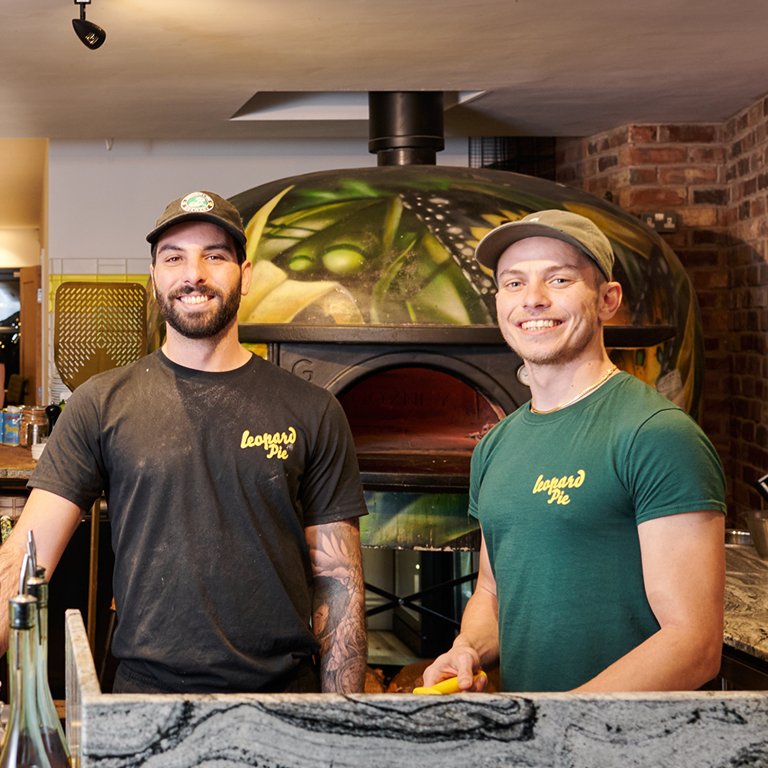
210,480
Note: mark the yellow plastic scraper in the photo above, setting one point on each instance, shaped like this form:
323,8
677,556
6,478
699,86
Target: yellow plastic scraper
451,685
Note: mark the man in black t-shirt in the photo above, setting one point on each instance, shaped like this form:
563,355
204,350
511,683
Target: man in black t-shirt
232,489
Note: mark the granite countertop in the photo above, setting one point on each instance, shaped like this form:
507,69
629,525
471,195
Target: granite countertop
706,729
746,601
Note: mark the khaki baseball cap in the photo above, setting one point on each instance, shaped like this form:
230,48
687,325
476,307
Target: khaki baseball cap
201,206
569,227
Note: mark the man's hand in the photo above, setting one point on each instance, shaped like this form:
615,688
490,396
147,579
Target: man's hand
338,614
461,662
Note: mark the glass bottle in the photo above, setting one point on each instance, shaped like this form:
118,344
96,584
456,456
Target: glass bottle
50,726
23,744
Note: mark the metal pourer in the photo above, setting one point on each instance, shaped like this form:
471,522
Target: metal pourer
22,612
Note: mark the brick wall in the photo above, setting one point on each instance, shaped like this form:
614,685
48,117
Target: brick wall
746,175
715,177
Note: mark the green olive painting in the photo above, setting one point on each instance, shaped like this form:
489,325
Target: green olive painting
395,245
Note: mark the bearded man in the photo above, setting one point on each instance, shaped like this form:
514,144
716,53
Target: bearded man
237,566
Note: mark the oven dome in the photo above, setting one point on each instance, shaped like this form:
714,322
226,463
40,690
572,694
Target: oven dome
394,245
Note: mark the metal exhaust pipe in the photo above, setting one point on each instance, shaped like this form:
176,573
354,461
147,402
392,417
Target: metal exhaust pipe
405,127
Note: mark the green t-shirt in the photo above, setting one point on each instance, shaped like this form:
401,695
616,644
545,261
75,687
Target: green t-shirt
559,497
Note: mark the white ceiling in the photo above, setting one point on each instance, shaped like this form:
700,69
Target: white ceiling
180,69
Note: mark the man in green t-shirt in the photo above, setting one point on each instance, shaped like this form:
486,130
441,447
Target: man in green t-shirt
601,503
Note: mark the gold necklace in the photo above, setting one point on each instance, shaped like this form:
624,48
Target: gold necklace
589,389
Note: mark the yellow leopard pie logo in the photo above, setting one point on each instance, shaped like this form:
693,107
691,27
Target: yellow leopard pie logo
274,444
557,485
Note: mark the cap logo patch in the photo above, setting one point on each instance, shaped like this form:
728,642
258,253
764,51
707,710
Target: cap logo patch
197,202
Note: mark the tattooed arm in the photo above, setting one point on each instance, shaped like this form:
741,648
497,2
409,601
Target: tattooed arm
338,613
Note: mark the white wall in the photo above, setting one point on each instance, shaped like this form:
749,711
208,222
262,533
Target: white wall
103,202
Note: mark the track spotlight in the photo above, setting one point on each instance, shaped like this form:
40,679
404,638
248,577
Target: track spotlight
91,35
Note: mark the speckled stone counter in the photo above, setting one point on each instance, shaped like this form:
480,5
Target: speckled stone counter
706,730
746,601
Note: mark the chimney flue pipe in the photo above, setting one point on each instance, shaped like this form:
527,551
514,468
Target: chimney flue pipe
405,127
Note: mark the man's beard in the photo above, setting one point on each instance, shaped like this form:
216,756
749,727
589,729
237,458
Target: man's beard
556,356
200,325
564,354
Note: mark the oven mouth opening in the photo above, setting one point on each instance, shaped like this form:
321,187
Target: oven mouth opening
416,427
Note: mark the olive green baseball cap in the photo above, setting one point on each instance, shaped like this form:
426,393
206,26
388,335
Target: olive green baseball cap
571,228
201,206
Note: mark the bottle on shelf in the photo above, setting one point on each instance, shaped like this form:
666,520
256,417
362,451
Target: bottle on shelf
52,411
23,743
54,740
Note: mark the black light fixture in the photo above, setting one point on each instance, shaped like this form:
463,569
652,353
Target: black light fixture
90,35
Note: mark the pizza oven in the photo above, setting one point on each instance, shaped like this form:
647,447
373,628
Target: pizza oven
365,283
417,400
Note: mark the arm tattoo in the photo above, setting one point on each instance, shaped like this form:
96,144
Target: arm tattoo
338,614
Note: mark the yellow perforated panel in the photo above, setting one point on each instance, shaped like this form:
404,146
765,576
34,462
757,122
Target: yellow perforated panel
98,326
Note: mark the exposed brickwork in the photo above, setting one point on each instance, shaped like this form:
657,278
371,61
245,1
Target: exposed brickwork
715,177
746,169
